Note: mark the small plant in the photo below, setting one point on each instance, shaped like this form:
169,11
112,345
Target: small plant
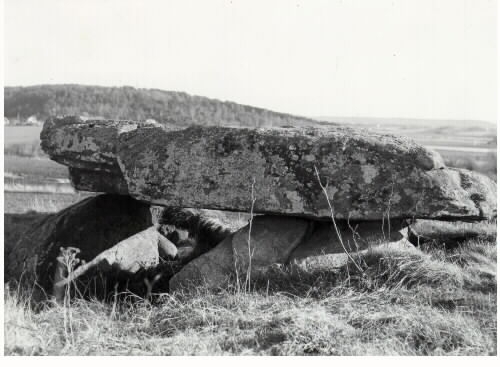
67,262
248,274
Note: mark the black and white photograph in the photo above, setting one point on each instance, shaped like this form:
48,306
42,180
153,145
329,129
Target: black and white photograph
249,178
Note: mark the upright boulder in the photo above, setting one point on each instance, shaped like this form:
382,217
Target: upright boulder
368,176
271,240
210,270
138,254
92,225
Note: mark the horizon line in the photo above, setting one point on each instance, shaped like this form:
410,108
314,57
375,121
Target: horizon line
318,117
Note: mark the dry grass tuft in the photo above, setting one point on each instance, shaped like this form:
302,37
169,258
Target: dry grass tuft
406,302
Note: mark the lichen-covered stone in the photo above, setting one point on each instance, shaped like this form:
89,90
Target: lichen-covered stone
211,270
450,235
335,260
369,176
92,225
272,239
139,252
324,240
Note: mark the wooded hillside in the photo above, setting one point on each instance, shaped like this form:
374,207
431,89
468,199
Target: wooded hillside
137,104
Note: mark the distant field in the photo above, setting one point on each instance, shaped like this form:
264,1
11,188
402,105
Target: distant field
466,136
445,133
23,202
23,141
42,168
462,149
485,163
25,174
21,134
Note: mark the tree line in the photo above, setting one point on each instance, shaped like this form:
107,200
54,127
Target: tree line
130,103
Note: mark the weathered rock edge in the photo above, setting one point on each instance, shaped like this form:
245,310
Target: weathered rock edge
92,225
370,176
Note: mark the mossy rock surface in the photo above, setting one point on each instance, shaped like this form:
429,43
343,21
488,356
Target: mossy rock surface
92,225
368,176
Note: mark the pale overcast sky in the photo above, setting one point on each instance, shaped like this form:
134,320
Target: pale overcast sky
413,58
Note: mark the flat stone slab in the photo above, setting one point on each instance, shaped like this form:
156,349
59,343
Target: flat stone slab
271,241
356,237
369,176
139,252
450,235
331,261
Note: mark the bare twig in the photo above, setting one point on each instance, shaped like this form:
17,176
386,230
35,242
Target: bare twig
246,286
354,235
332,215
388,212
115,299
236,271
250,250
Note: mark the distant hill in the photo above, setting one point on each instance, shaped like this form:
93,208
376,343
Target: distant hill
138,104
36,103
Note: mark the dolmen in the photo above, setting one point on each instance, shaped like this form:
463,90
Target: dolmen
307,191
367,175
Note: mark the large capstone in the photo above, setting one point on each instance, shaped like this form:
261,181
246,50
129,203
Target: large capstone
367,176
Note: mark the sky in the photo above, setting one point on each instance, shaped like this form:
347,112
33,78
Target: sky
399,58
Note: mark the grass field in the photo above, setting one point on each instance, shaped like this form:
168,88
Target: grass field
22,141
447,133
28,174
407,302
37,168
21,134
22,202
485,163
